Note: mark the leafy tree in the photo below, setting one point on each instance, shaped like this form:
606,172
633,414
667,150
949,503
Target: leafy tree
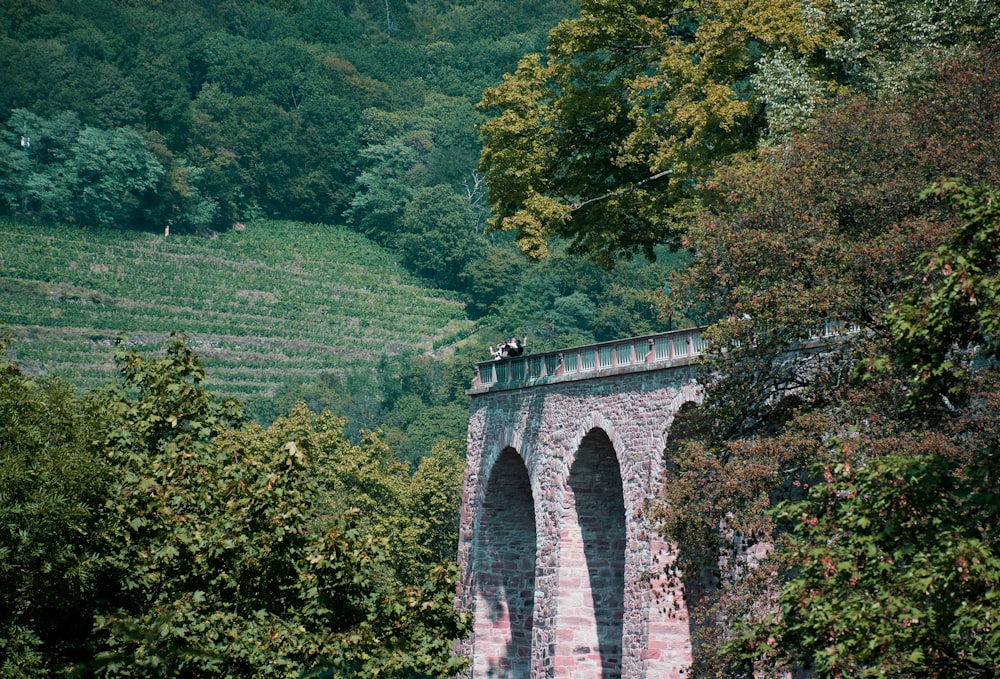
33,174
16,13
896,568
845,240
829,226
424,401
881,48
354,395
52,524
605,141
957,310
885,47
274,69
492,278
607,138
259,553
413,428
452,122
324,22
261,99
434,501
69,73
369,480
384,189
891,562
104,96
252,145
628,298
194,208
148,532
163,89
332,120
437,235
562,301
111,173
62,171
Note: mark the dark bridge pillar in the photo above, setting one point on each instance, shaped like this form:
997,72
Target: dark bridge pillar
504,573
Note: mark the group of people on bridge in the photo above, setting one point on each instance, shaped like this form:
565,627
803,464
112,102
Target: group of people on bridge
509,349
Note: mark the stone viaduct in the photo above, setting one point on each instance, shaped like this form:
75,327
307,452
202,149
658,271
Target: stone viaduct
559,558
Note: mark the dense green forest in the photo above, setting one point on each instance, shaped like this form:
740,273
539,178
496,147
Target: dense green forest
200,114
784,161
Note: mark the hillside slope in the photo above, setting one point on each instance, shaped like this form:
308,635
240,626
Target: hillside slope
260,306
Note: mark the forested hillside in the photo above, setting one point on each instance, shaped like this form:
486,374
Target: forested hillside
200,114
194,117
199,118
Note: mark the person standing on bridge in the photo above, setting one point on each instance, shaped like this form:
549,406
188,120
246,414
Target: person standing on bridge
499,352
515,347
509,349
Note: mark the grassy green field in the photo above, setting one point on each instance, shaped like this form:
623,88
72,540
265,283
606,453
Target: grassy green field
263,305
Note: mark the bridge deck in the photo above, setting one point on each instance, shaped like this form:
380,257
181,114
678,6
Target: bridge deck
634,354
591,361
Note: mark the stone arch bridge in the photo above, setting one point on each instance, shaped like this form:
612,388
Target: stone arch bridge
558,556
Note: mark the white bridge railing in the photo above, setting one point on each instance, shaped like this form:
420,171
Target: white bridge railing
593,360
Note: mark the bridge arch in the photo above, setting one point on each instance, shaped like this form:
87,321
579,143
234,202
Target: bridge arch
590,599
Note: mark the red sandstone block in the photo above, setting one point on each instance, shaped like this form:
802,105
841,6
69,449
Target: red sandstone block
567,664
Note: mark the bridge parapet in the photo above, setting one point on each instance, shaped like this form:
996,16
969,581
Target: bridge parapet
589,361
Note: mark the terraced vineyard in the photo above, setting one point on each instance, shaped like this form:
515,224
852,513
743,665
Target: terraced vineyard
261,305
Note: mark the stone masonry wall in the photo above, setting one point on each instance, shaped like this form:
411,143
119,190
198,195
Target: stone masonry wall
505,567
558,560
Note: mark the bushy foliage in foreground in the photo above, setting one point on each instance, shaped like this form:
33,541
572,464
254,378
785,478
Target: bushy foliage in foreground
186,543
52,524
893,561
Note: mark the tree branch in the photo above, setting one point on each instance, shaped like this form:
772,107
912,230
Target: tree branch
618,192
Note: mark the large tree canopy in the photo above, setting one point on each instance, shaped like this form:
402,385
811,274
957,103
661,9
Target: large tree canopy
606,138
889,566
